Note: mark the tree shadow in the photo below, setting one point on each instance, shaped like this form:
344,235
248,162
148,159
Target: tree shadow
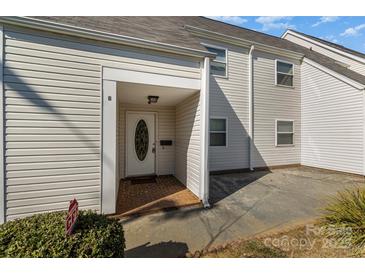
168,249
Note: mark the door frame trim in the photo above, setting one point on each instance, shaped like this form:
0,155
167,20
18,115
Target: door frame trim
155,113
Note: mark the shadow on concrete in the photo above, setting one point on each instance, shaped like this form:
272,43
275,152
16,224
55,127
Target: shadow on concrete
168,249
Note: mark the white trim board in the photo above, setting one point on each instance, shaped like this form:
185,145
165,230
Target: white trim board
2,139
101,36
335,74
150,78
340,52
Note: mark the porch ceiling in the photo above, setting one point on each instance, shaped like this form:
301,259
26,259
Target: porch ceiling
131,93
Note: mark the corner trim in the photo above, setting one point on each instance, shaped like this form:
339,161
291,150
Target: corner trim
2,131
335,74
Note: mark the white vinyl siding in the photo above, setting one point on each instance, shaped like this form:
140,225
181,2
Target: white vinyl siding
272,102
354,65
188,143
165,131
229,98
332,122
52,115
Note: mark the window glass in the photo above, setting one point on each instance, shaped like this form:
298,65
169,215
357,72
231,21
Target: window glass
285,126
218,132
284,67
218,69
285,139
284,80
285,133
218,66
217,139
284,74
217,125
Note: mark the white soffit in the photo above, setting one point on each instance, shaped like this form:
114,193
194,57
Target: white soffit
136,94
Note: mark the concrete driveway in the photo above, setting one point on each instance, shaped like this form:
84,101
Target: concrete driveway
243,204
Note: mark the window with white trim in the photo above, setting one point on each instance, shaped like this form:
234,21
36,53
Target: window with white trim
218,66
284,73
218,132
284,132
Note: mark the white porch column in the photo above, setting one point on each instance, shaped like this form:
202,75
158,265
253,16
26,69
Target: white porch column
204,132
109,147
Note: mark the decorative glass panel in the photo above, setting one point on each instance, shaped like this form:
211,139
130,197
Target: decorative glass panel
285,139
217,125
141,140
285,126
284,67
217,139
285,80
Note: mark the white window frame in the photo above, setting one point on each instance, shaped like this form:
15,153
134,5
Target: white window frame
226,131
276,133
212,61
276,73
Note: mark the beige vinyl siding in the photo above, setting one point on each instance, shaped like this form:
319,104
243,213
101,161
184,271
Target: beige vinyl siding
229,99
332,122
52,115
355,65
188,143
273,102
165,130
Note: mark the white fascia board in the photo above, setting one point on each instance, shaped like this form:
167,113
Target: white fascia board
243,42
103,36
339,76
147,78
2,139
340,52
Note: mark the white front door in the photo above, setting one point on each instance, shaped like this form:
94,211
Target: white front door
140,146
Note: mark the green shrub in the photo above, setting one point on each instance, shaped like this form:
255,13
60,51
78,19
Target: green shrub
345,219
43,235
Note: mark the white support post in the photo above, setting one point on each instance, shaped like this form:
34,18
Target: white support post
2,133
204,132
251,108
109,147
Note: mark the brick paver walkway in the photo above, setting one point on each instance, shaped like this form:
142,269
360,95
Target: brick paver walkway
166,192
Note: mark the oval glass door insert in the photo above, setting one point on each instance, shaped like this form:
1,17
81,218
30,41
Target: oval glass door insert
141,140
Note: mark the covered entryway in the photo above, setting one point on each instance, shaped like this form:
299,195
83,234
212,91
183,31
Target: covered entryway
154,129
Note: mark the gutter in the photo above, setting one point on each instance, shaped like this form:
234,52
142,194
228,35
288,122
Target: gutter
251,107
102,36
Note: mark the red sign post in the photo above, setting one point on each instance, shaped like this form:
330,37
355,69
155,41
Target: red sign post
72,214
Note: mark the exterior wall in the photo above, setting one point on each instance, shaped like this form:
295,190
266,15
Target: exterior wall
52,108
187,149
332,122
165,130
273,102
354,64
229,99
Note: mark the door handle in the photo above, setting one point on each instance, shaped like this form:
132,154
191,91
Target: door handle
153,150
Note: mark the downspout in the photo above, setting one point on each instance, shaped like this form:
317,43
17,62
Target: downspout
251,107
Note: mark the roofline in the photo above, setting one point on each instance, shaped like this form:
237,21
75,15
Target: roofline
337,75
243,42
341,52
102,36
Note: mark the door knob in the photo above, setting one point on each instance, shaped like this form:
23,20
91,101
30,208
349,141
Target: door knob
153,150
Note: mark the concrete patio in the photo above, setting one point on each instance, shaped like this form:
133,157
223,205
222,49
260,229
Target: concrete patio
243,204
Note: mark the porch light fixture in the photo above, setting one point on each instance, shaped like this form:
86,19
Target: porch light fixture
152,99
